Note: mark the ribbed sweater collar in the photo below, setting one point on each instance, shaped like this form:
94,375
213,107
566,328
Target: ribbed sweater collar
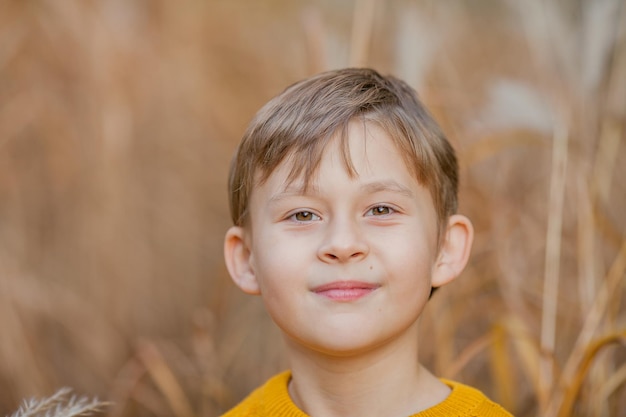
275,400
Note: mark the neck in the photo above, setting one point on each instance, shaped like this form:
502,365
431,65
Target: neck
387,380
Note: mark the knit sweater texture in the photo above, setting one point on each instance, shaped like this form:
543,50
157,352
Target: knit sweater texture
272,400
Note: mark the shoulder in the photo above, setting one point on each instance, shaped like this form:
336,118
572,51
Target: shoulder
465,401
267,399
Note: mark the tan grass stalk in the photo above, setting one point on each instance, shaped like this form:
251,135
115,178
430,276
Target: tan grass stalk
362,28
165,380
609,288
445,325
503,377
576,359
527,349
152,400
471,351
605,227
588,357
208,363
612,384
606,157
585,246
552,260
124,384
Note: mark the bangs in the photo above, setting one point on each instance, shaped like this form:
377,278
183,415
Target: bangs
306,155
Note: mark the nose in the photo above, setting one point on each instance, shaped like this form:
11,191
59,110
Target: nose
343,242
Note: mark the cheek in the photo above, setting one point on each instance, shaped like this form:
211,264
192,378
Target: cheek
413,285
413,248
279,264
281,275
410,262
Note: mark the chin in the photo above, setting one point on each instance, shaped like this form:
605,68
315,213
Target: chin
343,347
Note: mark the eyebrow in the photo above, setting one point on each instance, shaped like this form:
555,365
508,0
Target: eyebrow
291,190
297,189
393,186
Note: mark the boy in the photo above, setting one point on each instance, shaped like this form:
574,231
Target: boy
343,193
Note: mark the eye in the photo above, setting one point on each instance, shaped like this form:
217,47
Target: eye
380,211
304,216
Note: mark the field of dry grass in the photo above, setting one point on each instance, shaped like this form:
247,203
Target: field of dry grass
117,122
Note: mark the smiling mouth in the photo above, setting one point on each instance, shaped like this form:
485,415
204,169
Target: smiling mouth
345,290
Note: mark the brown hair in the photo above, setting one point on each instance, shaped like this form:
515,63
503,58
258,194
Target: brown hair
299,123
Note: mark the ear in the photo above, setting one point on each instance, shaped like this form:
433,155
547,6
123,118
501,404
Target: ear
239,261
454,251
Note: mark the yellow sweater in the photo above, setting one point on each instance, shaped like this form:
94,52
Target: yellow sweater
272,400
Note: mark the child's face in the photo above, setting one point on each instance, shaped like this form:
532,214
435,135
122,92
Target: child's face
348,264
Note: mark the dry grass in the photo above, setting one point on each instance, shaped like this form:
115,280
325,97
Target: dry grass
59,405
117,122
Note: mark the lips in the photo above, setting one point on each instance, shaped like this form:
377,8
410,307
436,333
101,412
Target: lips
345,290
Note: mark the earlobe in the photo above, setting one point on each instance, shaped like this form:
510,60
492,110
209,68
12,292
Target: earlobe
455,250
239,263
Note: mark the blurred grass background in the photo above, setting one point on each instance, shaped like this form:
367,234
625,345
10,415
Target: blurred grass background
117,123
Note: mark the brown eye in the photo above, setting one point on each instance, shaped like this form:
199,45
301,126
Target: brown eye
305,216
380,210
